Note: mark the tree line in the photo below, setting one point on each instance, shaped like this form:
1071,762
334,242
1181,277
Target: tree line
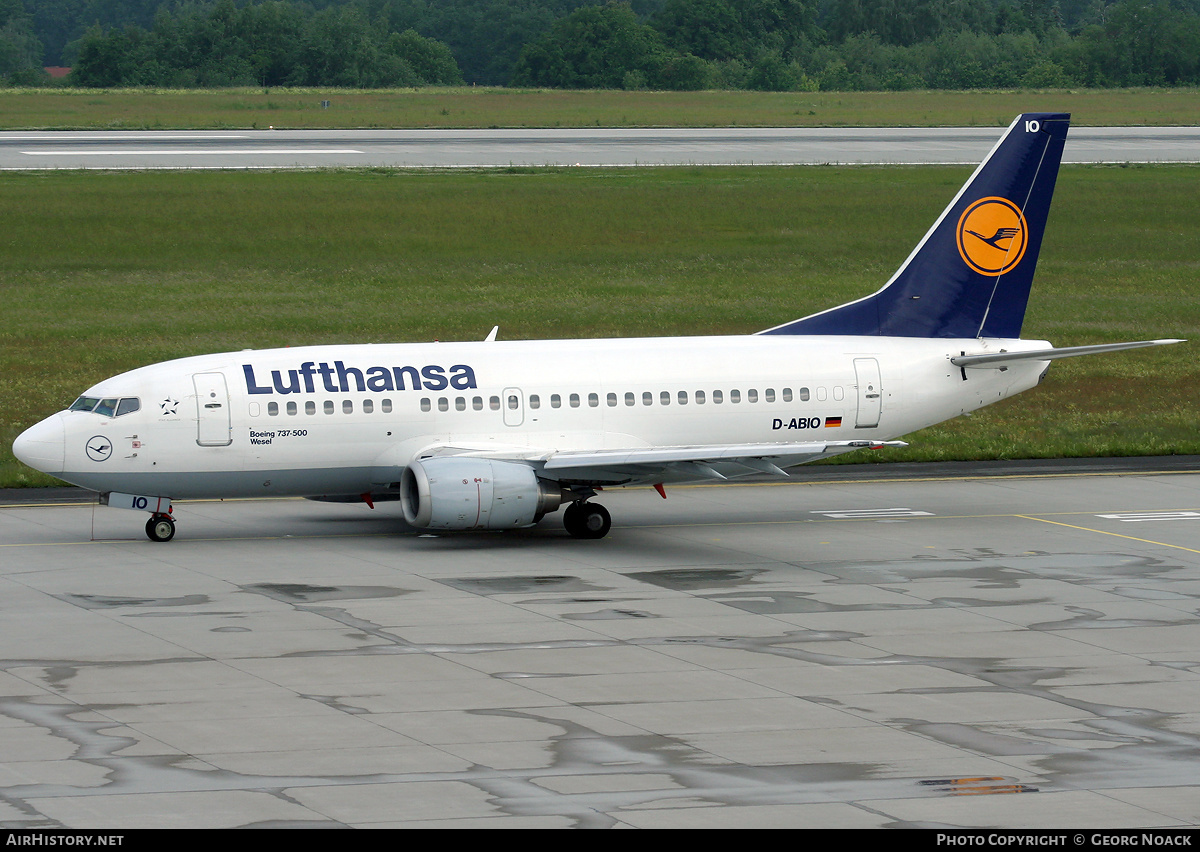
656,44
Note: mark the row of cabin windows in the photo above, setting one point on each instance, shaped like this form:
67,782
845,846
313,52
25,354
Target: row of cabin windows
573,400
385,406
682,397
665,398
329,407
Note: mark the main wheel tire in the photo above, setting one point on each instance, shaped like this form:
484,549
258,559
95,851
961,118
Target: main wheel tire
160,528
587,520
596,520
573,519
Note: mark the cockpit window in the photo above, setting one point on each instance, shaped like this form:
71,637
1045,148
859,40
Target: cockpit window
107,407
128,405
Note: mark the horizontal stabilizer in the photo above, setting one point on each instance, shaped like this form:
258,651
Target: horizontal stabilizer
999,359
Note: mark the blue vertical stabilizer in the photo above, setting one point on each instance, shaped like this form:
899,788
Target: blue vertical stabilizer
970,275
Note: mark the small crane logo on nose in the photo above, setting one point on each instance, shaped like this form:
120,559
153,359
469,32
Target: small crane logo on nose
99,448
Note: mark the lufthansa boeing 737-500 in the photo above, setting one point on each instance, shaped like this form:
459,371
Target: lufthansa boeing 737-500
496,434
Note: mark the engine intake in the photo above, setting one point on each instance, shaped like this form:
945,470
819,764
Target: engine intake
455,493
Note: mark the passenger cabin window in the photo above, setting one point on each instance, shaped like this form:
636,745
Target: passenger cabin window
310,407
328,406
386,406
718,397
272,408
426,405
555,401
535,401
292,409
368,406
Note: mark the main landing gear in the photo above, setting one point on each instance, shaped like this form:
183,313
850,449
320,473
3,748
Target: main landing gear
160,528
587,520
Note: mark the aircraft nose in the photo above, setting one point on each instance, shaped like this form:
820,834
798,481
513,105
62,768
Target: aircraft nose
42,445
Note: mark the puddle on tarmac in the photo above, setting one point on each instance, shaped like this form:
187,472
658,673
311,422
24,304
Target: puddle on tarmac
690,579
114,601
521,585
304,593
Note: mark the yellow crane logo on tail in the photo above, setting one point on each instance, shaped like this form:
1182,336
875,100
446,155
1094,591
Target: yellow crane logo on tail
992,236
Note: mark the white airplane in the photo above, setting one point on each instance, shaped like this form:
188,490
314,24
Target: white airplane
495,435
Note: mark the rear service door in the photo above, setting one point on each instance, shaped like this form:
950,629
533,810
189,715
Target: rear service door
870,394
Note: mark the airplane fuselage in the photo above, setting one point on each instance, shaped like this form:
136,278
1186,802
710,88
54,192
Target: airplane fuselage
345,420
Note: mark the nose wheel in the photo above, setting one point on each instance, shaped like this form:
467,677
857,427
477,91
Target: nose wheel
160,528
587,520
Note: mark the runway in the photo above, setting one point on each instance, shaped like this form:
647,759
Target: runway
284,149
1008,645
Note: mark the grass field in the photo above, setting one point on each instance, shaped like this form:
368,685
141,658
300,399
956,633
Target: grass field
93,109
103,272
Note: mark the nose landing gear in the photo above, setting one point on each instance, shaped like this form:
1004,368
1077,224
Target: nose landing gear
160,528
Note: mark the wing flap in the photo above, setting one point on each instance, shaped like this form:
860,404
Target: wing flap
691,464
701,454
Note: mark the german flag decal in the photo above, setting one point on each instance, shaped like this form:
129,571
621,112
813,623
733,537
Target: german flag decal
832,421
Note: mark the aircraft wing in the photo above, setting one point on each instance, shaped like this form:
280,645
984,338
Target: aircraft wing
648,465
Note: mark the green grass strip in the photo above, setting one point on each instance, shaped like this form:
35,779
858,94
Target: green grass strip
103,272
169,109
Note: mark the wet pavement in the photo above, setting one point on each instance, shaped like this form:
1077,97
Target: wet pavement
1016,650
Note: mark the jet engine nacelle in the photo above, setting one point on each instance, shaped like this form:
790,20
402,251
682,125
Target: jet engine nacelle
454,493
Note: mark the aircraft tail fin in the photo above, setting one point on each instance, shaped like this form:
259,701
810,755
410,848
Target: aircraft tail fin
970,275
